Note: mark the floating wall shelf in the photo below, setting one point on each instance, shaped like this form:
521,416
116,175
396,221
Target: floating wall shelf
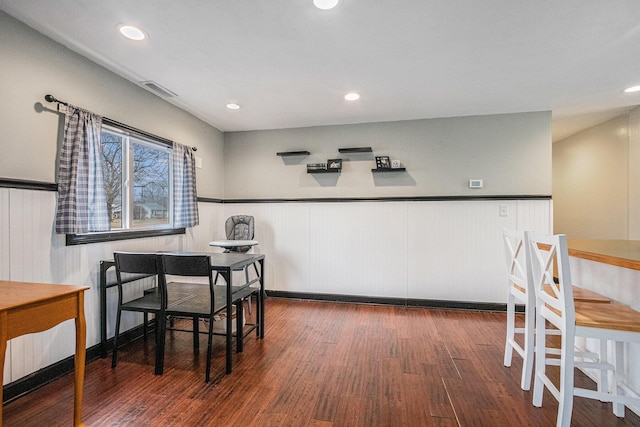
388,170
292,153
355,150
324,171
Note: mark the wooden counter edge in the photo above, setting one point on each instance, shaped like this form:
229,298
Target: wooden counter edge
606,259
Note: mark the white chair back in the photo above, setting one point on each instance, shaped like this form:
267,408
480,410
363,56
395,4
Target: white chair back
514,248
555,299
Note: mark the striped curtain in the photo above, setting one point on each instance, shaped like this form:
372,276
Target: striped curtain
82,202
185,199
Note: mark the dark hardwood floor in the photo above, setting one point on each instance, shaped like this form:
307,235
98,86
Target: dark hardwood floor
320,364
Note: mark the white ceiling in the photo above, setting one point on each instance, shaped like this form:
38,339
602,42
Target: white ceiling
289,64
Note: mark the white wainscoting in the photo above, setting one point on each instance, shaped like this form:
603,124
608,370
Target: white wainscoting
32,252
446,250
449,250
4,260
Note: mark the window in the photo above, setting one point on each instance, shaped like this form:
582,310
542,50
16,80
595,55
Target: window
137,180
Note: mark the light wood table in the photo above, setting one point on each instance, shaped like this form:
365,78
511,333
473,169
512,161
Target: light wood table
621,253
27,308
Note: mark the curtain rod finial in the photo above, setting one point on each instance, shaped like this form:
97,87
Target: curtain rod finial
50,98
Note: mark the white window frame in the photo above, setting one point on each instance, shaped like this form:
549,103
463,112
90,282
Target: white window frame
130,137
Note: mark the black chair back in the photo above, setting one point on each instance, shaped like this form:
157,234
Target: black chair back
186,265
142,263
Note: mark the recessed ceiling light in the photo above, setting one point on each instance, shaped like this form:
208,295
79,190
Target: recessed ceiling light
131,32
352,96
325,4
632,89
233,106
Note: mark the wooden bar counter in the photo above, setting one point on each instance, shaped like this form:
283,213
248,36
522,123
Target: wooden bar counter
621,253
610,268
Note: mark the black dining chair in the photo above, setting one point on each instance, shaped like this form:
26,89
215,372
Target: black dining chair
194,300
150,302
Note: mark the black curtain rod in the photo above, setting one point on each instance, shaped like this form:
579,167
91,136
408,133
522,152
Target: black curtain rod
51,98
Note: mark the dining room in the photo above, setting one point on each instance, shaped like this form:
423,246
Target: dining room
384,278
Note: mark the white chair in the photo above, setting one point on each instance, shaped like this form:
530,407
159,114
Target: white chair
604,322
521,291
518,293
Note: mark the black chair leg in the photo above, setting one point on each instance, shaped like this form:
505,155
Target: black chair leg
114,354
196,333
209,345
145,322
239,334
160,333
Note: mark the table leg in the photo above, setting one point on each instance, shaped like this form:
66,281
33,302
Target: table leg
103,308
226,275
160,335
80,359
3,350
261,302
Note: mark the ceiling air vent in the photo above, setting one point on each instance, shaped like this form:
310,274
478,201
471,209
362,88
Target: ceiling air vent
155,87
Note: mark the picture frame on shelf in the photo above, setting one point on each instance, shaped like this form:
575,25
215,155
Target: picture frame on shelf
395,164
334,164
383,162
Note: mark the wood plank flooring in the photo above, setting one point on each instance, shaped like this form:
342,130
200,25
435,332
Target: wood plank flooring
321,364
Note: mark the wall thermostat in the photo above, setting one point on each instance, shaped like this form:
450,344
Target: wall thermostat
476,183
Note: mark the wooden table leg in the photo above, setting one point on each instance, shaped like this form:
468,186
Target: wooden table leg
79,361
3,350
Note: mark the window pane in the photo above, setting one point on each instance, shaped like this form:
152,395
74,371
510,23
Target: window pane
112,171
150,186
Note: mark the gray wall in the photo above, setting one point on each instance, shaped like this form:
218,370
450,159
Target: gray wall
595,181
32,66
510,152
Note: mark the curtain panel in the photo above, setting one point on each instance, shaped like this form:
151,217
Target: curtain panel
185,198
82,202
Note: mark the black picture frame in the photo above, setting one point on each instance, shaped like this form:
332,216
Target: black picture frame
334,164
383,162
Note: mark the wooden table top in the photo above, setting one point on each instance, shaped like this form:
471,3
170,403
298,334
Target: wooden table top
621,253
16,294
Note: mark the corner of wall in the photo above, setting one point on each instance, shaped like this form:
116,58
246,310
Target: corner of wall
634,173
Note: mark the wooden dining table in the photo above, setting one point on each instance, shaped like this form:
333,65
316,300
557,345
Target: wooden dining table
27,308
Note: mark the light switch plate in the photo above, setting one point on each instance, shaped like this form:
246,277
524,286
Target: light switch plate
476,183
